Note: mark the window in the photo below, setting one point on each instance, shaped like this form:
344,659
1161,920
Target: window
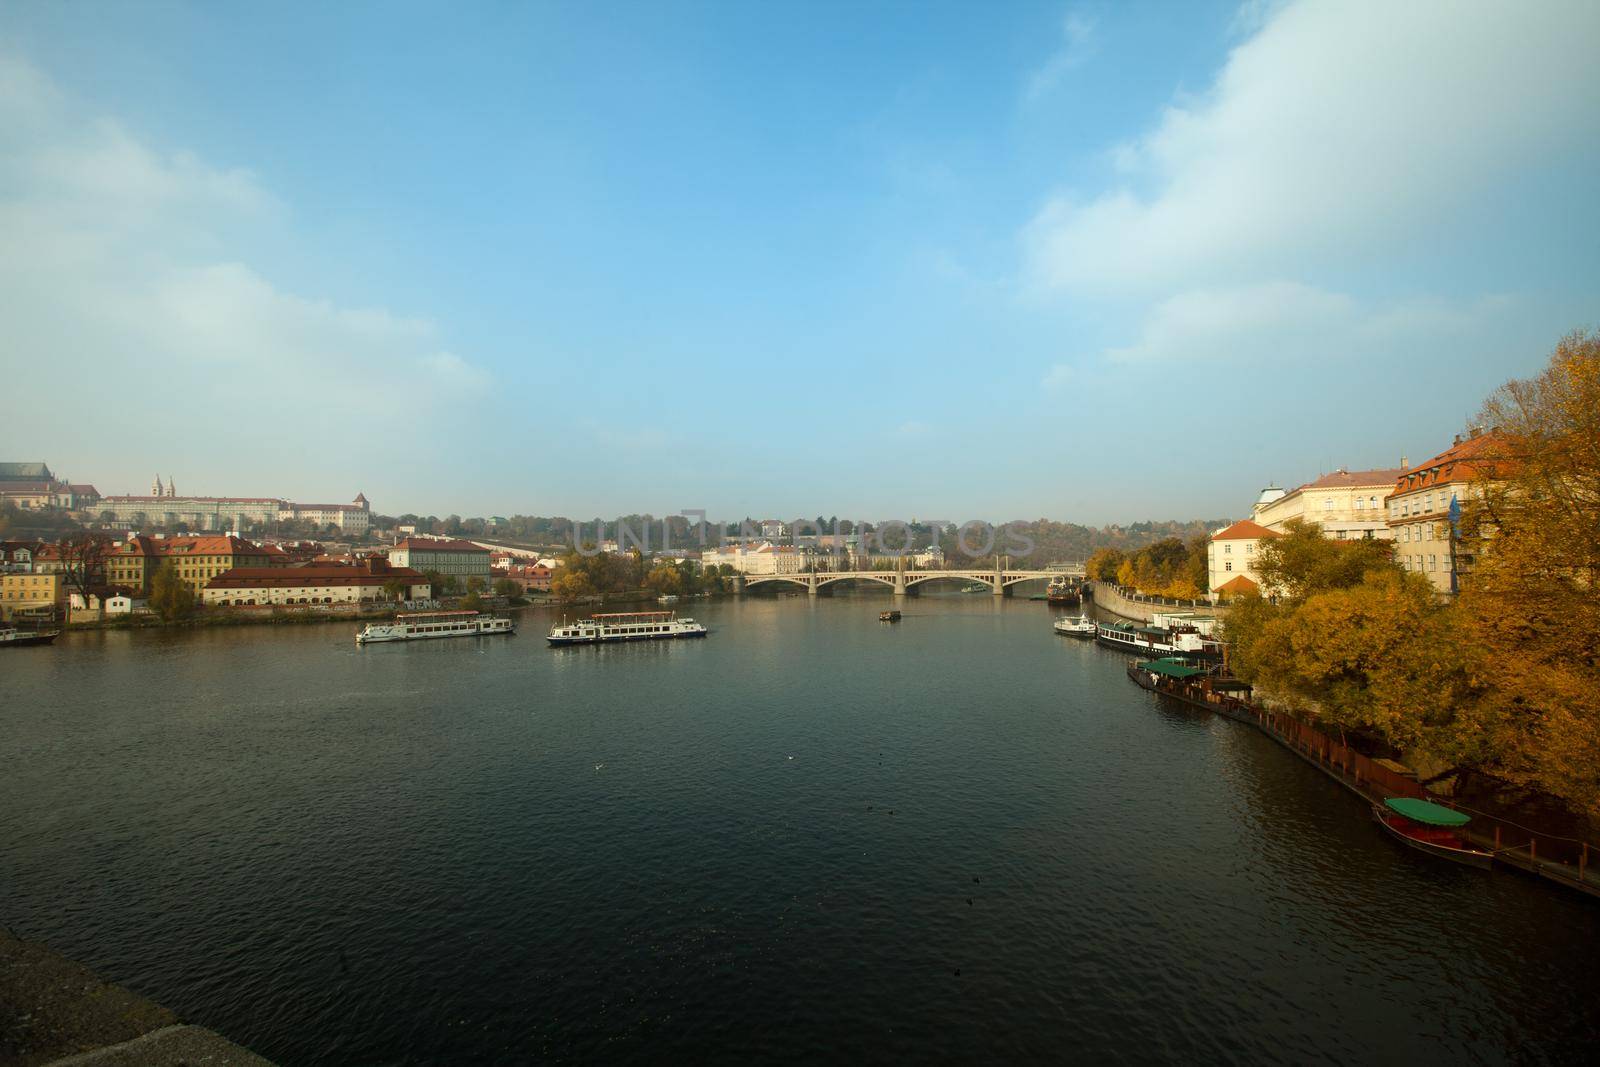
1227,549
1228,566
1327,503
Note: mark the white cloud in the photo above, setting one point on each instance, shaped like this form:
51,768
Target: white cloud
1281,322
1342,129
124,286
1076,46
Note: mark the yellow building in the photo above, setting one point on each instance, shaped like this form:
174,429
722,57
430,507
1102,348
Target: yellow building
1418,511
31,595
134,563
1348,505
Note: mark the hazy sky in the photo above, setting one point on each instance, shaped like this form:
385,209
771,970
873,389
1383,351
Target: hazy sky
1097,262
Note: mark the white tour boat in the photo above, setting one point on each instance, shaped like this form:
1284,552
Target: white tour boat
625,626
1082,626
424,625
1154,642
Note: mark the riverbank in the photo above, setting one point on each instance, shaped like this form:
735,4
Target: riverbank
1563,860
57,1012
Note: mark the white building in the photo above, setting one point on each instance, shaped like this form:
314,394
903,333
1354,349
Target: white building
1231,556
253,586
764,558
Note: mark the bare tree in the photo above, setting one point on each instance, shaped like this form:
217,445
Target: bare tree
83,558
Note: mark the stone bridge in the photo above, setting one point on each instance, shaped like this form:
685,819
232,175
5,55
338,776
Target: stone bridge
998,579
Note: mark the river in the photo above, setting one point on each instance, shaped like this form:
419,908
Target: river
810,835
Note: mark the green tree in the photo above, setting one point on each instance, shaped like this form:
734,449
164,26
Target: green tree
395,588
506,587
1303,562
170,596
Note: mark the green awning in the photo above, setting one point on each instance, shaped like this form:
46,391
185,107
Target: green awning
1172,668
1422,811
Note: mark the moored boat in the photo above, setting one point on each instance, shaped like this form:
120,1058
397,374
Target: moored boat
888,616
667,598
1158,641
11,637
1063,591
1430,828
625,626
426,625
1081,627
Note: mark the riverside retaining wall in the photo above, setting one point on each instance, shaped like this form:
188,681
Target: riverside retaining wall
1130,605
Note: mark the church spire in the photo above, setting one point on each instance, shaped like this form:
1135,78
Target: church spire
155,487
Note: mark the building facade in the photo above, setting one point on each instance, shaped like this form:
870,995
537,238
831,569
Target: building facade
1418,511
1231,556
37,596
132,565
1348,505
758,559
222,513
367,582
452,558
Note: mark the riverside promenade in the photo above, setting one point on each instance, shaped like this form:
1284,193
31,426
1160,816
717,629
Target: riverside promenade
1141,608
55,1013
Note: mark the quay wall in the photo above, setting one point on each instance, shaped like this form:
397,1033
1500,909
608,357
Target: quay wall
1140,608
55,1011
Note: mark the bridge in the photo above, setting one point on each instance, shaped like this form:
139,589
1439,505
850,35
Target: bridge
999,579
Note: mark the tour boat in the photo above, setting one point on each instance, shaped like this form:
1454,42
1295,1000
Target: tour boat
11,637
425,625
1062,590
667,598
1430,828
888,616
625,626
1082,626
1157,641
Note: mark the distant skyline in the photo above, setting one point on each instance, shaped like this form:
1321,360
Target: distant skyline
1091,262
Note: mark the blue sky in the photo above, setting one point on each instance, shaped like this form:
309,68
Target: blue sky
1095,262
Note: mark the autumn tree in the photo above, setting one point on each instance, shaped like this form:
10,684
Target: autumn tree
170,596
1103,563
1303,562
1532,597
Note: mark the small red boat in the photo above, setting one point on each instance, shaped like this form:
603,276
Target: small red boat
1430,828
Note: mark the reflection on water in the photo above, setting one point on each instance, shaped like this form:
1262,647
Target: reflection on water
810,834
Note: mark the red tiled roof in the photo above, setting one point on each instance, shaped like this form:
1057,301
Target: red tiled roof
424,544
1237,584
27,487
1244,530
1483,456
1350,479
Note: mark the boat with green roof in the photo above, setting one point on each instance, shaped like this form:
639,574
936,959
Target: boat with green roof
1431,828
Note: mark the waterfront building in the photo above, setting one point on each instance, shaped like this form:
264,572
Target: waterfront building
133,564
364,582
35,596
534,578
764,558
1347,505
1230,557
1418,511
450,557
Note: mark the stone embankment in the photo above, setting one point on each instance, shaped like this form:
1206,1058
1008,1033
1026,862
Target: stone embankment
1137,606
56,1013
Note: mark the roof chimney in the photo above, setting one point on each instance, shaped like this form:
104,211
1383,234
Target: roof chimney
1457,441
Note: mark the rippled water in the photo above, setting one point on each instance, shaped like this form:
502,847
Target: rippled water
810,835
